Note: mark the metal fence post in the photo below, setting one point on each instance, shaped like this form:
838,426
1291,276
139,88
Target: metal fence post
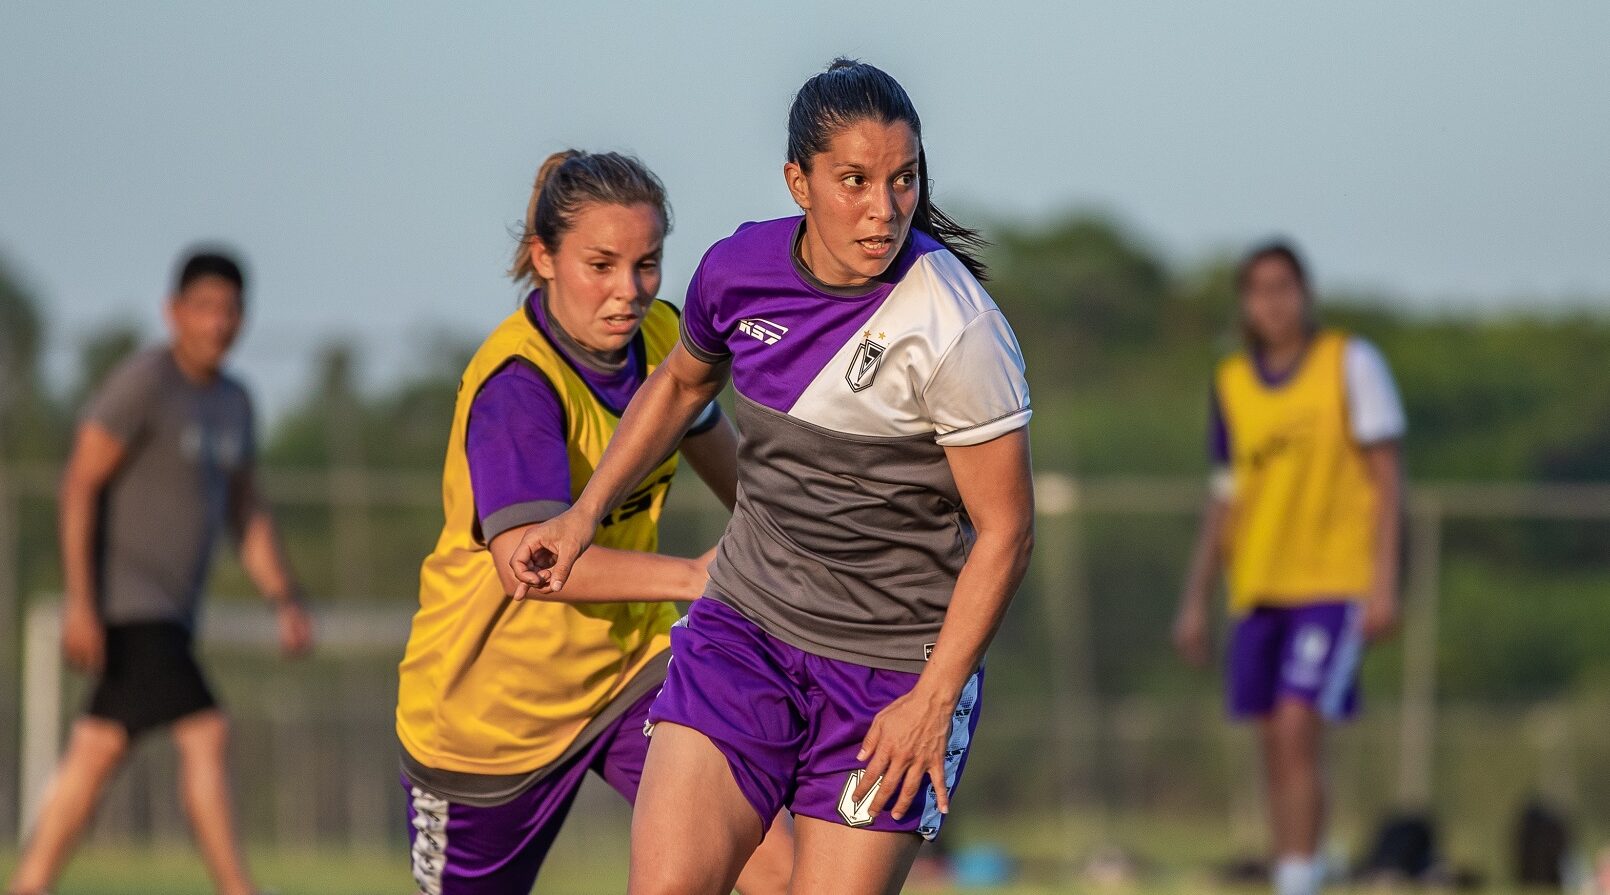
1417,734
11,619
1065,600
41,715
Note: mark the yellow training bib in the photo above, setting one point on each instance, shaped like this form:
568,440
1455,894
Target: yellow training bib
1302,524
491,686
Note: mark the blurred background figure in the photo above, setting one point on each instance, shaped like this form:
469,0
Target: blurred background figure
162,461
1305,517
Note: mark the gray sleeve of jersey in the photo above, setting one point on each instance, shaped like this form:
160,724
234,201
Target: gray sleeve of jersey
978,391
123,403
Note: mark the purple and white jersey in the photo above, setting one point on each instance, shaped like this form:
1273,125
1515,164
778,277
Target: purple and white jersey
849,531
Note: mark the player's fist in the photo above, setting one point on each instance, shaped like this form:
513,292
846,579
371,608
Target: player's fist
295,628
83,639
1191,634
541,561
1380,616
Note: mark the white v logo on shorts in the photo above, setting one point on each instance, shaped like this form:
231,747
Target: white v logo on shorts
858,814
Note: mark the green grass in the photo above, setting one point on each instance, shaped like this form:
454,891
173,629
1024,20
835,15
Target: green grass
175,870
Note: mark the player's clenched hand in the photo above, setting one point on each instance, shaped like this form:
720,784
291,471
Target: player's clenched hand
295,628
1191,635
83,639
1380,615
905,743
542,560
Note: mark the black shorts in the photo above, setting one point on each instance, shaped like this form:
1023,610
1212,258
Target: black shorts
150,678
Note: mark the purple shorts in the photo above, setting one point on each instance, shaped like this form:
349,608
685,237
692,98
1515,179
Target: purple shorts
473,850
790,723
1310,653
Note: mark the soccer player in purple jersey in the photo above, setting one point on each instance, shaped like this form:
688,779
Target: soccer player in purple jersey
884,516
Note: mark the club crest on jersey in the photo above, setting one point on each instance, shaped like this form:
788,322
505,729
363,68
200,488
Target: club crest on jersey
864,365
763,330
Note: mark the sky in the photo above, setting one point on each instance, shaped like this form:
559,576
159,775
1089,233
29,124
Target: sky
370,159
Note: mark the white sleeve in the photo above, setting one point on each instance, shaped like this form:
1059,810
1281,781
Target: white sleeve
978,392
1373,404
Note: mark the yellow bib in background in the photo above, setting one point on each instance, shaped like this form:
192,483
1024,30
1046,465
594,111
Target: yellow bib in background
491,686
1302,523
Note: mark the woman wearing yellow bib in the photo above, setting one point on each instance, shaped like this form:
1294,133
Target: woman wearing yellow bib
504,707
1304,518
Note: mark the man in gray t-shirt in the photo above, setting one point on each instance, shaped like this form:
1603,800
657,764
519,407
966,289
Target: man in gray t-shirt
173,493
162,464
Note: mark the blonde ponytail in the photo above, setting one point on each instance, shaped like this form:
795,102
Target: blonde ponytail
522,272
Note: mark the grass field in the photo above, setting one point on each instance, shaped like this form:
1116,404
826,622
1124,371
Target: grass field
590,858
175,871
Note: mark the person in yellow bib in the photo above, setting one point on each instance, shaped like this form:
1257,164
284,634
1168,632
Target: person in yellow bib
504,707
1304,519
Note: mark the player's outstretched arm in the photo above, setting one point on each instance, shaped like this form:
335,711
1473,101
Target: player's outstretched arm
653,425
907,739
608,575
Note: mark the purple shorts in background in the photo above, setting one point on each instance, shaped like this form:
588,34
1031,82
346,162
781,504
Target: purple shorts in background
1311,653
790,723
473,850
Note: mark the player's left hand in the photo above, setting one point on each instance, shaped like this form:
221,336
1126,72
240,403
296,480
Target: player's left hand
296,628
905,743
1380,616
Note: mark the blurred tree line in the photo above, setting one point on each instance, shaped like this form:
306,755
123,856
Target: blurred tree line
1121,346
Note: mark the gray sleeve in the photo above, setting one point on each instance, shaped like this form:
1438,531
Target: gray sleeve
978,392
122,404
529,513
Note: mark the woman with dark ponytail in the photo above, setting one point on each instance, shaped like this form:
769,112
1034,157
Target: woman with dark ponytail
884,516
503,709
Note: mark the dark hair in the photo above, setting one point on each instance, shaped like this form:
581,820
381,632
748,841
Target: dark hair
208,263
850,91
1281,249
570,180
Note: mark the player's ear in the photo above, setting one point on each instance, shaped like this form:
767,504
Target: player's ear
799,186
542,260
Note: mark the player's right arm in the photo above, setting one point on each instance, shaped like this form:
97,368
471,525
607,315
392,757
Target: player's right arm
608,575
1191,621
1190,633
546,557
97,453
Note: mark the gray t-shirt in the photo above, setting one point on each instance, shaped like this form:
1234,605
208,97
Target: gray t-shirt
189,447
